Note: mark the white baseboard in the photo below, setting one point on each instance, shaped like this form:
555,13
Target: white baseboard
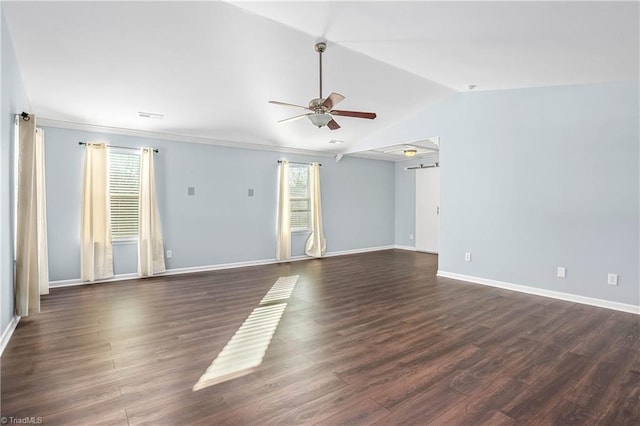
355,251
8,332
400,247
78,281
624,307
205,268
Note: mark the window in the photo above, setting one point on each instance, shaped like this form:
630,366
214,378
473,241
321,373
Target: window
299,197
124,193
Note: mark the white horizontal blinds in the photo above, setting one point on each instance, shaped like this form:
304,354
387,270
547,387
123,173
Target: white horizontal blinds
124,193
300,204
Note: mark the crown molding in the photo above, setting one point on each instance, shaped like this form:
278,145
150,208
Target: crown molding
48,122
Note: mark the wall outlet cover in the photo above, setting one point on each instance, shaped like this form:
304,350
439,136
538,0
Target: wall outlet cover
612,279
562,272
467,257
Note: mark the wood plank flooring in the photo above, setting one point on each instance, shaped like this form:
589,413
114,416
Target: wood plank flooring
372,338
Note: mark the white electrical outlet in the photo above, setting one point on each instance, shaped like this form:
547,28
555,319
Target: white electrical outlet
169,254
467,257
562,272
411,236
612,279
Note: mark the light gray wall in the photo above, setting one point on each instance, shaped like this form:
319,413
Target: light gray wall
533,179
14,100
220,224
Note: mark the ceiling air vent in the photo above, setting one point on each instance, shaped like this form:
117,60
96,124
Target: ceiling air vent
151,115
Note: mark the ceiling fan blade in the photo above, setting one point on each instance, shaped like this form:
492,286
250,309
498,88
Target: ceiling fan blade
333,125
332,100
356,114
297,117
286,104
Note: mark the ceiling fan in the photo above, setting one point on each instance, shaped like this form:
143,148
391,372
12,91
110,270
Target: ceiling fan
322,111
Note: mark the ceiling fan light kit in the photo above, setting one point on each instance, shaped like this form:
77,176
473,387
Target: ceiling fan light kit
322,111
320,119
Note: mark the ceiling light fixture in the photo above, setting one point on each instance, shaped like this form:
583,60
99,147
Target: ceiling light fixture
336,141
320,119
410,152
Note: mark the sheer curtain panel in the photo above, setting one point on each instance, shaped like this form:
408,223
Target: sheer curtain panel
150,246
32,273
41,215
316,243
96,251
283,226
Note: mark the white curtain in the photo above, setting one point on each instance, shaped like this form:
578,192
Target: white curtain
32,270
283,227
41,215
150,246
316,243
96,252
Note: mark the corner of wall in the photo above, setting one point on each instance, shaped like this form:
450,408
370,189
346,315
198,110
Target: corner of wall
13,99
7,332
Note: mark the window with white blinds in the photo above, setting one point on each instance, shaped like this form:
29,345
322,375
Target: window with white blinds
124,193
300,203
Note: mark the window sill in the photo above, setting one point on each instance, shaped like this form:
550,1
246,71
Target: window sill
301,231
124,242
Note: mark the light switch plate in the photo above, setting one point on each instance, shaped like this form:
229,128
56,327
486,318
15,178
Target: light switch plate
562,272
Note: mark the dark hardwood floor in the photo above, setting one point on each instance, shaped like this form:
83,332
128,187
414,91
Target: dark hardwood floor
371,338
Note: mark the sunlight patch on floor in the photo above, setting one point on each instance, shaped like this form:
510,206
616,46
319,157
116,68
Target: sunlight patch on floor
248,346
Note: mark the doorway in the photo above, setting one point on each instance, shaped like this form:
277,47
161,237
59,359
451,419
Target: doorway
427,209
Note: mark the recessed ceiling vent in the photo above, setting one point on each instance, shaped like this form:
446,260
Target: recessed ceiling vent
151,115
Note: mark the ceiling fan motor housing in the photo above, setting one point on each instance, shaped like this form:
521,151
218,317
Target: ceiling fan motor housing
316,106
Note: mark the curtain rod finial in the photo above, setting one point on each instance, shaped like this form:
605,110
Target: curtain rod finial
25,116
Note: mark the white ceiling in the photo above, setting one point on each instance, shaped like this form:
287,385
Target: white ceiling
211,67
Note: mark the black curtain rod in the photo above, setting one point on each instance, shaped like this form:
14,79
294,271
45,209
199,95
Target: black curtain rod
422,166
117,146
294,162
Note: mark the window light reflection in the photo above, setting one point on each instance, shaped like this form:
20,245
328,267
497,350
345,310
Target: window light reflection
248,346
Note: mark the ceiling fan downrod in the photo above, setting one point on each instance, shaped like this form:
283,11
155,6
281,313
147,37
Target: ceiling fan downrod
320,47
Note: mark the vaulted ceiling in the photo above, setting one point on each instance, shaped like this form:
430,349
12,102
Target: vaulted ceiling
211,67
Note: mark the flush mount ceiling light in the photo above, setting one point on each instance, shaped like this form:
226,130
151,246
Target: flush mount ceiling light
336,141
151,115
410,152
